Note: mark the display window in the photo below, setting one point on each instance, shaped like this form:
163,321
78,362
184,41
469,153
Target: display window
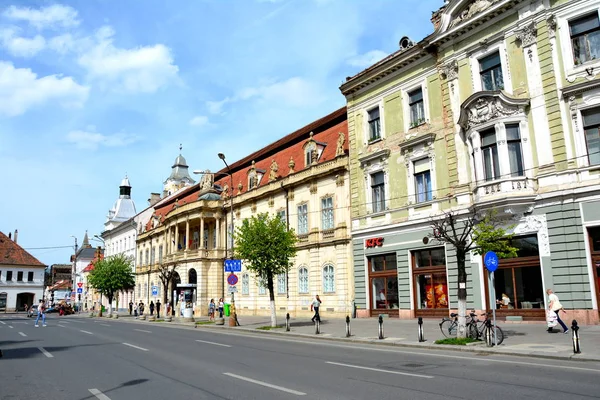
594,237
383,278
430,283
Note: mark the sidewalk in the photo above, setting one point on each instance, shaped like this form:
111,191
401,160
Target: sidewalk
523,339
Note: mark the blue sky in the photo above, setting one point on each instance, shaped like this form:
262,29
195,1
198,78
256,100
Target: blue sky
92,90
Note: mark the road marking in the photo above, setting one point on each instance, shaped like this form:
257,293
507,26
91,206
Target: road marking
243,378
62,326
141,330
379,370
99,394
11,327
105,324
45,352
89,333
216,344
135,347
22,334
2,322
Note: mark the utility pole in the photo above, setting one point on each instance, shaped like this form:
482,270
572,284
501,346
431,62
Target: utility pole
74,274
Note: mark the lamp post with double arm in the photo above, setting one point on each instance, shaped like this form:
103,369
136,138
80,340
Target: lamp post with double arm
233,313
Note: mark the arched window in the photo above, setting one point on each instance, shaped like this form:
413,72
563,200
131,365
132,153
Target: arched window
245,284
328,279
192,276
282,283
303,280
262,286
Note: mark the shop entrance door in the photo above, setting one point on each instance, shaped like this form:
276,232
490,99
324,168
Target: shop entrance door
594,237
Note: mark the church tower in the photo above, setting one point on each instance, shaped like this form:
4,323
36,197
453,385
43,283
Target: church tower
180,176
124,207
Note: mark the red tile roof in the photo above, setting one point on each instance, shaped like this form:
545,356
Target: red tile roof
13,254
92,264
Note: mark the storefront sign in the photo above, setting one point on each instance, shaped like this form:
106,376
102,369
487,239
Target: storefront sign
375,242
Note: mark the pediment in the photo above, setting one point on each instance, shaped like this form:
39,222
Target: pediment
486,106
458,12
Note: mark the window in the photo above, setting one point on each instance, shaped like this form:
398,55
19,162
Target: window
489,149
282,284
262,286
311,154
591,127
160,254
30,276
245,284
19,276
417,109
281,214
328,279
422,180
147,257
303,280
252,180
153,256
141,260
378,192
374,124
490,70
327,213
429,275
585,38
205,238
383,277
9,276
515,153
303,219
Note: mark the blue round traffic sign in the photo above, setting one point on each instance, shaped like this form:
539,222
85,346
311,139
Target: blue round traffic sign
232,279
490,260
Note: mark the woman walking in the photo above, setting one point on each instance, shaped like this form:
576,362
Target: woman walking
211,310
555,307
315,307
221,307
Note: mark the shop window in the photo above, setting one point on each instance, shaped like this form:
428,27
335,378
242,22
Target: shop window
30,276
416,107
385,262
591,127
490,70
374,124
422,180
328,279
303,280
378,191
585,38
303,219
282,284
327,213
430,281
384,292
245,284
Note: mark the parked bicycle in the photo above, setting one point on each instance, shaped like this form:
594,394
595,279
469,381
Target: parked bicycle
476,329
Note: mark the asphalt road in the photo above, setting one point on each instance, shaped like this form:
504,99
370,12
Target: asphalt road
83,358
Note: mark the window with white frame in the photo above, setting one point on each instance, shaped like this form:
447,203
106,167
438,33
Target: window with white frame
378,191
282,283
30,276
585,38
303,219
245,284
252,180
153,256
416,107
262,286
160,254
374,124
490,70
303,280
422,175
515,151
281,214
147,259
327,213
310,154
591,127
328,279
489,149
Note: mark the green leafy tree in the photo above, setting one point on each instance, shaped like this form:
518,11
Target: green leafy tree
266,246
112,275
475,232
166,272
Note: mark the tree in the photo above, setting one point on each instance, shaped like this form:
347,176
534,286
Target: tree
475,232
111,275
266,245
165,274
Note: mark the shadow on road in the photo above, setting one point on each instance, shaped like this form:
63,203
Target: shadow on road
133,382
31,352
10,342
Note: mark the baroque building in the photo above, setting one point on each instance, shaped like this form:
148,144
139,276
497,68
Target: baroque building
498,108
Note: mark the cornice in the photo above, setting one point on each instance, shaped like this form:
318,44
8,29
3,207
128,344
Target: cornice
580,88
382,153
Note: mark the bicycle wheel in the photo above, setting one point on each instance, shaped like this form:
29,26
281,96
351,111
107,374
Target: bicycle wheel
499,335
449,328
472,331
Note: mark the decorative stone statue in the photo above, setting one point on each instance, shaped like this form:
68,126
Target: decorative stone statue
274,169
207,181
292,164
225,192
340,144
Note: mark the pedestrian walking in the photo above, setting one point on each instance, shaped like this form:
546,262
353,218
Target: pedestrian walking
141,308
555,306
315,307
26,308
41,314
211,310
158,308
135,311
168,307
151,307
130,307
221,304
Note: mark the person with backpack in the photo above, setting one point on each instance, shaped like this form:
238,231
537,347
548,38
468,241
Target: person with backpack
41,313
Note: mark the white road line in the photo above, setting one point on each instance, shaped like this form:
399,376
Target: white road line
379,370
45,352
22,334
243,378
99,394
135,347
11,327
62,326
105,324
2,322
89,333
216,344
141,330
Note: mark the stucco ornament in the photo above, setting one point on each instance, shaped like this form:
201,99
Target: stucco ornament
207,181
273,172
551,21
225,192
473,9
339,151
450,70
292,164
485,109
535,224
527,35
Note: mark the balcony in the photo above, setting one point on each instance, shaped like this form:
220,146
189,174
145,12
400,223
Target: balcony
517,189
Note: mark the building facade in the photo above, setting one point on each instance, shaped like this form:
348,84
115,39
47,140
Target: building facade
497,109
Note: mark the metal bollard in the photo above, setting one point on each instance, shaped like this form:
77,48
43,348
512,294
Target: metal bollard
348,326
575,330
287,322
421,334
380,327
317,326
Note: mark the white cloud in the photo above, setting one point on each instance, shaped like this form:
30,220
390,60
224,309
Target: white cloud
21,89
52,16
21,46
216,107
63,44
367,59
199,120
92,140
142,69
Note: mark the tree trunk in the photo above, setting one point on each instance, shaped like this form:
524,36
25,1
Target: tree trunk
462,292
110,301
272,302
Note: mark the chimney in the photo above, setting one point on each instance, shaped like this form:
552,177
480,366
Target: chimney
154,198
16,234
9,235
165,194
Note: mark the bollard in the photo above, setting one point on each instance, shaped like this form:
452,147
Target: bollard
317,326
380,327
575,330
348,326
287,322
421,334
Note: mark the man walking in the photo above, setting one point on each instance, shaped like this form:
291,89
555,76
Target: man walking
130,307
158,308
41,313
555,306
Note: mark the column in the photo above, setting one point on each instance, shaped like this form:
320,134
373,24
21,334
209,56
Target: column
187,232
201,232
176,237
168,244
218,231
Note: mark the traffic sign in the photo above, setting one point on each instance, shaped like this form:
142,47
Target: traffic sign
79,290
233,265
79,284
232,279
490,261
232,289
154,290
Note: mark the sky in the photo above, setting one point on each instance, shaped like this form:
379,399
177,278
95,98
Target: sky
93,90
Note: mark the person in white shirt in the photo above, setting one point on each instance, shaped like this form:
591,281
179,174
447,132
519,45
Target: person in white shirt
555,306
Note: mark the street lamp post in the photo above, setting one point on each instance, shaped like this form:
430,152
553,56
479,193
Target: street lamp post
222,157
74,274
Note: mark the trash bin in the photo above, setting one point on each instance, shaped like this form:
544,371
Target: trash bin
103,309
226,309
